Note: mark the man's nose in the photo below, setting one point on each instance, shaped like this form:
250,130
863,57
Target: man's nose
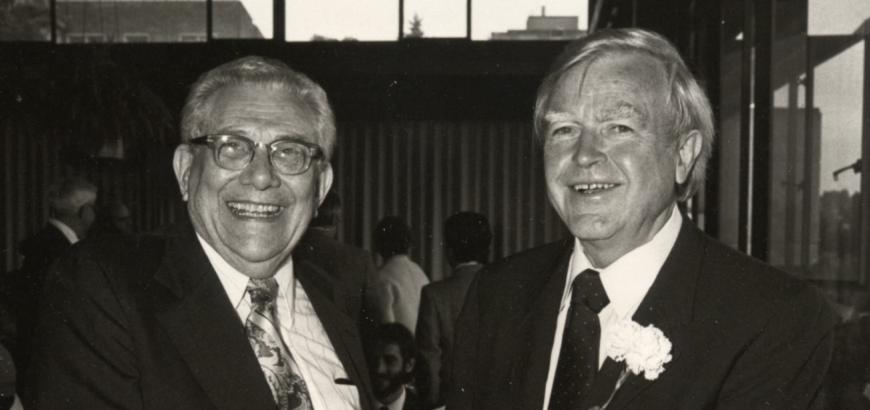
588,150
381,367
260,173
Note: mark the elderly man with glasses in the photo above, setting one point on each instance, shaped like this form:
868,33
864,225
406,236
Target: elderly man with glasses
215,313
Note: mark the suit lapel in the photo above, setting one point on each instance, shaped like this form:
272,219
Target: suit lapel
340,328
537,329
669,306
196,314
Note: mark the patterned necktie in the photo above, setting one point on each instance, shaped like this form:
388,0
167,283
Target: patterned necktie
578,359
281,371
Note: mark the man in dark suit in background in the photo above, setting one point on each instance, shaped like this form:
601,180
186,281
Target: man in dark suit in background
71,210
214,313
467,238
348,264
626,133
71,214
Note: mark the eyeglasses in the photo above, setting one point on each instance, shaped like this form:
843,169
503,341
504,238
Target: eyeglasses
234,152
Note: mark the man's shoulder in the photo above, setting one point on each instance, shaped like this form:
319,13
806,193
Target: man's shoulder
315,244
456,284
517,280
528,264
47,238
118,259
732,278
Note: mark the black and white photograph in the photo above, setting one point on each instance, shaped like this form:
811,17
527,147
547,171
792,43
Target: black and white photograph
435,204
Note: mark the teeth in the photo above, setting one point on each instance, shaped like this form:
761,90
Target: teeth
585,188
254,210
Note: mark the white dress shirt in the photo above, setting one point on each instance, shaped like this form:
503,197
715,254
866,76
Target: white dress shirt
626,281
395,293
304,335
67,232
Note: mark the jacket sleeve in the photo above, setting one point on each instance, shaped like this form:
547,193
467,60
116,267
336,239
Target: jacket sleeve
461,368
785,365
84,354
428,337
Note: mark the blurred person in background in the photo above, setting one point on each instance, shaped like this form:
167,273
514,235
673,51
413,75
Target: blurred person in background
467,238
71,204
392,358
394,295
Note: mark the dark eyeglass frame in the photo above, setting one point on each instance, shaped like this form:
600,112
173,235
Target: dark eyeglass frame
212,140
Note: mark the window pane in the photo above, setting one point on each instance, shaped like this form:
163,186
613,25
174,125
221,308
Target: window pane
528,19
241,19
25,21
839,104
344,20
730,116
435,18
789,139
169,21
840,17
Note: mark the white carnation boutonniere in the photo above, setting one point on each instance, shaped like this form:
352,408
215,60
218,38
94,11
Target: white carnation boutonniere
644,349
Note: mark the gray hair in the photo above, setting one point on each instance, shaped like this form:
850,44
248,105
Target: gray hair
256,70
687,101
66,196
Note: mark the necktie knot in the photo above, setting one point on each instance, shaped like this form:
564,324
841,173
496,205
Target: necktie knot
588,290
263,291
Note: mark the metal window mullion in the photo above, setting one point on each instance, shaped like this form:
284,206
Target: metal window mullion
468,21
279,20
863,262
762,127
809,150
745,171
401,19
209,17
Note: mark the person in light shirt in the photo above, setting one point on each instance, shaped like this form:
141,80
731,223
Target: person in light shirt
394,292
213,312
626,133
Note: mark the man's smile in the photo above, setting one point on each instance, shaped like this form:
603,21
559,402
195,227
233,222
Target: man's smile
593,188
254,210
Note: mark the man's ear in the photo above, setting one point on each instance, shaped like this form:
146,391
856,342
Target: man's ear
324,182
409,365
181,162
688,150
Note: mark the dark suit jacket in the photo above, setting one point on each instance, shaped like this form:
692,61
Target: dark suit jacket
39,251
744,335
42,249
440,304
25,285
144,322
412,401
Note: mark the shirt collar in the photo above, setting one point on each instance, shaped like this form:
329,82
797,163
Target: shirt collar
628,279
235,283
67,232
397,404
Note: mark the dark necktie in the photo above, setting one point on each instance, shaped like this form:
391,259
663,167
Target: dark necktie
281,371
578,359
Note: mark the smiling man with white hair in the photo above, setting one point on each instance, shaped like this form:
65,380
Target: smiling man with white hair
638,309
216,314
